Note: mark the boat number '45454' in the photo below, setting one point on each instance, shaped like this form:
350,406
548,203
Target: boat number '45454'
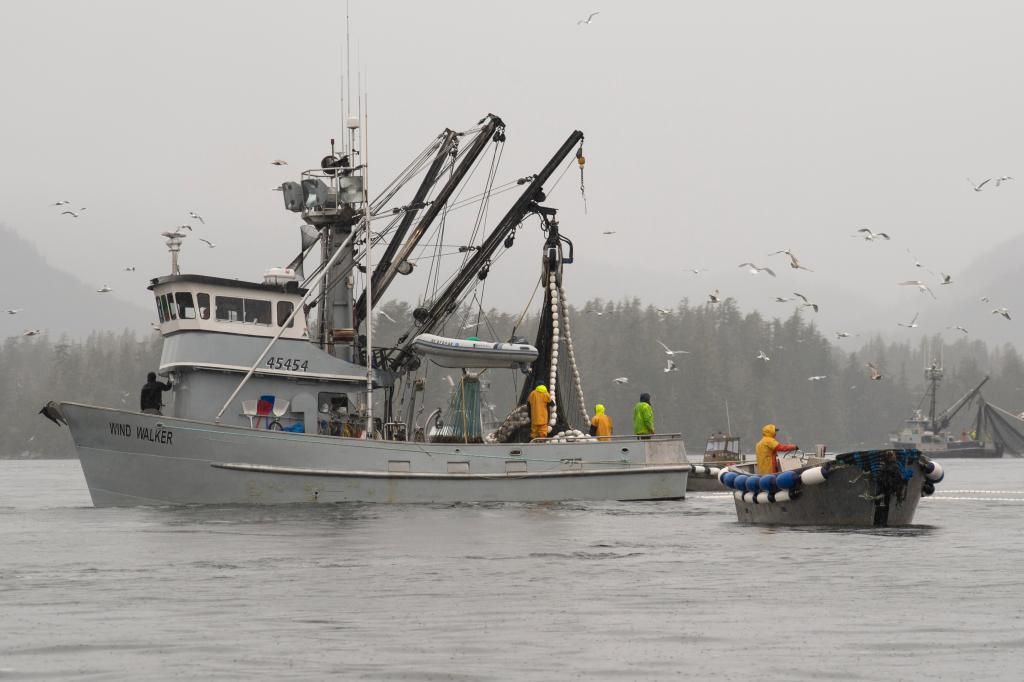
291,364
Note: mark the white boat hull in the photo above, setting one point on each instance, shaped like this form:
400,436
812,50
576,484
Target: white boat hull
138,459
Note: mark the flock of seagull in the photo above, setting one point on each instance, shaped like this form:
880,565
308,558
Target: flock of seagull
178,232
106,289
864,233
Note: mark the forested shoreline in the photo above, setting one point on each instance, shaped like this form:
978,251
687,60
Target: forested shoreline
845,410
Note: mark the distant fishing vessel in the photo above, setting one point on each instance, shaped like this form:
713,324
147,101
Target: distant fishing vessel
720,451
929,434
275,381
870,488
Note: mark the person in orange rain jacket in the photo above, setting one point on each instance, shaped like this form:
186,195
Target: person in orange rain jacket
538,400
601,424
767,447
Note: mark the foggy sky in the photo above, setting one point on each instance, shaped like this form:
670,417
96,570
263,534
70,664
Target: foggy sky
716,133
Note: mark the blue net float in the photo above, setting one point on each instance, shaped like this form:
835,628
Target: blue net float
752,483
786,480
767,483
728,477
740,482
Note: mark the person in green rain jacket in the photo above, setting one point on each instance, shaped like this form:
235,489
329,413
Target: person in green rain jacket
643,417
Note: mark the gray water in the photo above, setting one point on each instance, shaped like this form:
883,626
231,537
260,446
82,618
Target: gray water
619,591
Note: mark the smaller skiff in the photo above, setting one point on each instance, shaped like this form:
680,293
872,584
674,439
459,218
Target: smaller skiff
870,488
467,353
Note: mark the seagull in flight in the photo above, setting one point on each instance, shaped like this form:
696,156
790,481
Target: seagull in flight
985,299
63,202
917,263
669,352
104,289
780,299
621,381
662,312
818,377
977,186
843,335
130,268
70,213
870,236
921,286
946,279
32,332
278,162
387,317
184,227
910,325
714,297
590,18
958,328
793,261
1003,179
14,311
876,375
670,366
195,216
208,243
761,355
807,302
1001,311
608,232
696,271
757,269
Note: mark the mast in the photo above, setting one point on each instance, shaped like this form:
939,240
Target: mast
428,318
449,138
493,127
368,292
933,374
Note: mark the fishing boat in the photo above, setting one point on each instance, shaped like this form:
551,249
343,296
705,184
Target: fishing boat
929,433
720,451
279,394
863,489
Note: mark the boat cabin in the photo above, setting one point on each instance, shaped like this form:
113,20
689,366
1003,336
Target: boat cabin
721,448
230,306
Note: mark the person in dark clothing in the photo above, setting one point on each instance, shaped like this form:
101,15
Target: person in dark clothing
151,401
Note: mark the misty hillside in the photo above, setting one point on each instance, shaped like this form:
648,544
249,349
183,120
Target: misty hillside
56,302
996,275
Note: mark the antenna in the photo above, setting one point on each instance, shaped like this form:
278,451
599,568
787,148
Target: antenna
728,422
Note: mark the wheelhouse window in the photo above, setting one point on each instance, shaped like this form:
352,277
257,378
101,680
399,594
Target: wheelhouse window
284,310
251,310
229,308
204,306
160,309
171,308
257,311
186,310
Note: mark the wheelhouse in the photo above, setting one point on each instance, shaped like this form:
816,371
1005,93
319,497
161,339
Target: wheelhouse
229,306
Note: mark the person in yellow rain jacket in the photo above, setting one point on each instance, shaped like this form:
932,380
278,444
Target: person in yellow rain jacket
539,399
767,447
601,424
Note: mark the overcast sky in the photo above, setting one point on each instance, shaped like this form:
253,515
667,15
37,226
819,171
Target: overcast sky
716,133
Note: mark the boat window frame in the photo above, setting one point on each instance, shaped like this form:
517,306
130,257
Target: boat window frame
221,301
247,304
185,303
284,309
159,300
200,307
171,307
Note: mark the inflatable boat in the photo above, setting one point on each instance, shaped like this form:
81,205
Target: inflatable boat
467,353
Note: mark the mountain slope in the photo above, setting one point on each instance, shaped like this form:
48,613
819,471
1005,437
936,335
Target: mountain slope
55,301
